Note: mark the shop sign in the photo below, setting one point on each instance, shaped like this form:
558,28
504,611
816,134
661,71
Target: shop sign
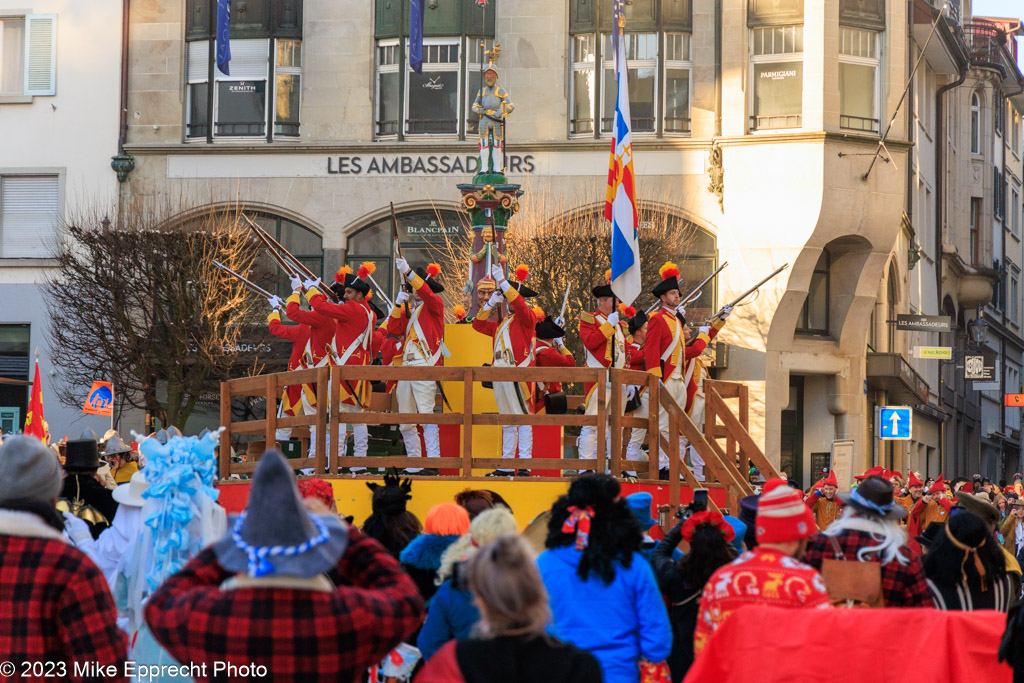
420,164
924,323
941,352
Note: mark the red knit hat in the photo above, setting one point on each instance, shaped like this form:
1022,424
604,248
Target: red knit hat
831,480
782,515
939,486
912,480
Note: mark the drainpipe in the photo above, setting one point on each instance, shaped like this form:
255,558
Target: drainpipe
123,163
940,219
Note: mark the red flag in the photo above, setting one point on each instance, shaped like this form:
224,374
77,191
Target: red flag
34,423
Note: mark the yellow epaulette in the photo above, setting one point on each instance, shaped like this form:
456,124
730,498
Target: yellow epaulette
586,318
294,298
274,315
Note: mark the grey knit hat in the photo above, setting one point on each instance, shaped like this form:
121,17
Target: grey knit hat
28,470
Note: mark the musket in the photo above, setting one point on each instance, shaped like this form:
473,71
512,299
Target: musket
288,263
251,286
757,286
695,294
398,252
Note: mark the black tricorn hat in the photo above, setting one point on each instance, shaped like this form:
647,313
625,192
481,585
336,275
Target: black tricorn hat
435,286
81,455
604,290
352,282
669,279
547,329
376,309
637,321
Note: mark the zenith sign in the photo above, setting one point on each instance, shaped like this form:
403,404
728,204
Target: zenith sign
896,422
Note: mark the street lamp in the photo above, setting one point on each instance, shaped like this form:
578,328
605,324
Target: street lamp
978,331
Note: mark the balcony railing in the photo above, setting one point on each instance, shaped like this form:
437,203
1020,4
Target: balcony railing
984,40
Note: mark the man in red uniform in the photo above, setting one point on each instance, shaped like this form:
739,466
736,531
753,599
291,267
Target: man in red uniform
768,574
352,341
297,399
604,341
513,348
669,349
637,325
420,326
550,353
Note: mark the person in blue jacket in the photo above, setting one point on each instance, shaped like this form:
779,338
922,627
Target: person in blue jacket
604,597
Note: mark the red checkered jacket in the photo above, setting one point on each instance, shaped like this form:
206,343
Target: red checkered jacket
298,635
55,605
903,585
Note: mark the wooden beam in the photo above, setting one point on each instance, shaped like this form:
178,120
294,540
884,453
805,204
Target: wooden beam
224,456
323,382
467,424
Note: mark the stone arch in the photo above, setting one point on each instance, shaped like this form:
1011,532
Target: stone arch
255,207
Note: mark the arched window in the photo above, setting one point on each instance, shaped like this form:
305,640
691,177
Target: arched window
423,236
814,315
975,124
300,241
891,296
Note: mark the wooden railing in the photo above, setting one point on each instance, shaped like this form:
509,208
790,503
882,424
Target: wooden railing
724,467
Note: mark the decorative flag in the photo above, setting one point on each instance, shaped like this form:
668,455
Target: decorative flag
34,421
416,35
100,400
620,198
223,36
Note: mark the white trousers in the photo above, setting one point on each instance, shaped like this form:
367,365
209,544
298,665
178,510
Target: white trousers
418,397
587,440
637,436
360,436
677,388
285,433
512,437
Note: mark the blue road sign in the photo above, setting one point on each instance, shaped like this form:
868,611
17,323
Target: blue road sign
895,422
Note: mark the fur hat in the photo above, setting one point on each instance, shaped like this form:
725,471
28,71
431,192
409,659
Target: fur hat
782,515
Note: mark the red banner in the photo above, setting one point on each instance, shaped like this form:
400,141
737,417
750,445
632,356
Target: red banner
34,421
765,644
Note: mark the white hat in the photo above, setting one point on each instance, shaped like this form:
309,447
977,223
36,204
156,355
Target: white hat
131,493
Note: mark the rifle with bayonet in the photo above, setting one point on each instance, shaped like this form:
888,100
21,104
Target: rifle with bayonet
284,259
699,289
565,302
750,291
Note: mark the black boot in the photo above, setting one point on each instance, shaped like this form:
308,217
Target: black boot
663,474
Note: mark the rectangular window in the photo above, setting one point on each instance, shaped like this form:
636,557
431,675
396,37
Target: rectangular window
288,91
432,97
1015,212
777,77
1015,136
14,364
678,69
584,89
388,100
28,55
642,75
29,216
814,315
858,79
999,109
1014,294
997,194
975,222
264,88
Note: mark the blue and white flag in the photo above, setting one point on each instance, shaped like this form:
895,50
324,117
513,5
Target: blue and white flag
620,197
223,36
416,35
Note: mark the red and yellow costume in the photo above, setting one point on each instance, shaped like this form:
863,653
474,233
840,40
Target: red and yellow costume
548,356
321,330
428,317
600,339
298,335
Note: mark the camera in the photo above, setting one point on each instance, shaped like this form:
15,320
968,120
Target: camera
699,504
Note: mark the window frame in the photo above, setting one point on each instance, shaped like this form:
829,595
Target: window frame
666,64
49,89
378,69
1014,212
269,122
974,216
804,316
456,68
873,62
1014,293
43,172
752,126
576,66
976,124
608,67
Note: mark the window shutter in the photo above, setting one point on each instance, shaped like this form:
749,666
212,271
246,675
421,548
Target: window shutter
249,60
41,54
199,60
28,216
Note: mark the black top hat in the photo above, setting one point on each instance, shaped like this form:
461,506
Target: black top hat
637,321
301,545
81,455
930,534
435,286
876,497
547,329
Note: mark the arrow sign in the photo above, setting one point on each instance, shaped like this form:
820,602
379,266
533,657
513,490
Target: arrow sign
895,423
